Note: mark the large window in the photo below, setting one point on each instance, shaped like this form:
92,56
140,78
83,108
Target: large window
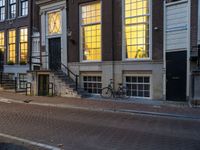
90,24
138,86
23,45
92,84
12,9
12,46
2,42
2,10
54,23
136,29
23,7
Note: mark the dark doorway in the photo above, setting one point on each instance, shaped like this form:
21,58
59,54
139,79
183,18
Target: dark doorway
55,53
176,66
43,85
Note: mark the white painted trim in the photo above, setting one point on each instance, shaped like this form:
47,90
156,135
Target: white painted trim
164,52
140,75
150,34
188,49
80,33
174,3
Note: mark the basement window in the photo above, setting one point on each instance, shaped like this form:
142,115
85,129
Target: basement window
138,86
92,84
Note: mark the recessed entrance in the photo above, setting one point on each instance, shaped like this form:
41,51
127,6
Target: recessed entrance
176,76
43,85
55,53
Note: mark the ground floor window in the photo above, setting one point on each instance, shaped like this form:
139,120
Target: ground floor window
138,86
92,84
22,81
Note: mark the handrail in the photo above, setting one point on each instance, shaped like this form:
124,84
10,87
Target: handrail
70,72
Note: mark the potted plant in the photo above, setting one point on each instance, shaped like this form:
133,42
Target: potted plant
22,62
10,62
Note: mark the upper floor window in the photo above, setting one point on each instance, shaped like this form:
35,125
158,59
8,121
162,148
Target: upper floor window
23,45
12,9
23,7
90,25
136,29
2,10
54,22
2,41
12,46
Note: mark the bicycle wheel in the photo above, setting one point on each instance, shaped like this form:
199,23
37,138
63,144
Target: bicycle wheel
106,93
124,93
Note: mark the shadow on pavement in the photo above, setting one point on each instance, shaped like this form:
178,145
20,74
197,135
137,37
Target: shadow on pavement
10,146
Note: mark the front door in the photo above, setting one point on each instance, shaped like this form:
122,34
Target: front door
43,85
55,53
176,76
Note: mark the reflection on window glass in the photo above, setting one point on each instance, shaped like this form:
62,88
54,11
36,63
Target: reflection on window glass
24,7
2,10
2,41
137,29
54,23
91,31
12,46
12,8
23,44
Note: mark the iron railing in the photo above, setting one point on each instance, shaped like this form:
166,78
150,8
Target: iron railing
70,74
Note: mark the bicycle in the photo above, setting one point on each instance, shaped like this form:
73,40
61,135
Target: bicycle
108,92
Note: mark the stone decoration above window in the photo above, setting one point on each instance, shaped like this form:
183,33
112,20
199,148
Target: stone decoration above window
54,23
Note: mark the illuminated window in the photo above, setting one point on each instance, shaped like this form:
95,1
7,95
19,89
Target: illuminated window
2,41
136,26
2,10
12,46
91,31
54,22
24,7
23,44
12,8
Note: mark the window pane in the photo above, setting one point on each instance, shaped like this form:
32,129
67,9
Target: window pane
12,46
91,31
54,23
23,45
137,29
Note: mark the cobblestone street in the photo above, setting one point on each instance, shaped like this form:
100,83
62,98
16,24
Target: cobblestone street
76,129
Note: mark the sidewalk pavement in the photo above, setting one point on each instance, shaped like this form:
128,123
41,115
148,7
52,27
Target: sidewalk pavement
133,106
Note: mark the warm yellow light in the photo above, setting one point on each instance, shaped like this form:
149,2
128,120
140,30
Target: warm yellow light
136,29
54,22
91,31
12,46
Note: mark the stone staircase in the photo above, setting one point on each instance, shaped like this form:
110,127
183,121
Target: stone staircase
66,86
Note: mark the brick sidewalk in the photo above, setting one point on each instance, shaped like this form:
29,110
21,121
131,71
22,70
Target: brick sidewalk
99,104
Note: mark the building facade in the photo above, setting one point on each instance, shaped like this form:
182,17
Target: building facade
15,37
120,40
149,46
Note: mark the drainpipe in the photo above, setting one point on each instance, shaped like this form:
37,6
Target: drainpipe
113,52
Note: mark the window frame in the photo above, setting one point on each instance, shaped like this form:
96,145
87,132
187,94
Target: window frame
47,23
20,8
81,36
92,82
9,9
22,81
1,7
19,35
3,39
124,35
8,43
140,75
